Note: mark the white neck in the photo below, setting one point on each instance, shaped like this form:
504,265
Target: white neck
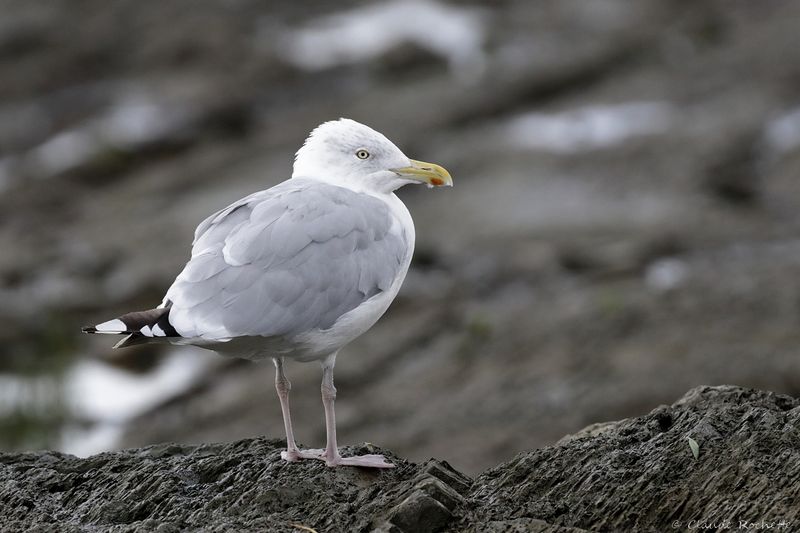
379,183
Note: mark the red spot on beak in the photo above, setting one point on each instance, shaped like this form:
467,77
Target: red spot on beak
436,181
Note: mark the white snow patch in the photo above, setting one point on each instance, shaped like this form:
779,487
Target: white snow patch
84,442
783,133
456,34
107,397
103,393
27,393
64,151
588,128
666,274
136,121
132,122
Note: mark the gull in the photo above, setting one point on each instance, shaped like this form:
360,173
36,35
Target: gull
299,270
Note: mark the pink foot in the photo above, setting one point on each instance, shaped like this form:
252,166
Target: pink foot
367,461
295,455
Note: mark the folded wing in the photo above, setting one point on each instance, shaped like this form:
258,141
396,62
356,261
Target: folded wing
286,261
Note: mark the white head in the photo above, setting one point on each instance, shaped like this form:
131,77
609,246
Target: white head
349,154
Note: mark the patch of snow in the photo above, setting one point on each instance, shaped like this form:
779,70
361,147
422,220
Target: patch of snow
100,392
26,300
666,274
108,397
27,393
132,122
783,133
64,151
588,128
456,34
137,121
84,442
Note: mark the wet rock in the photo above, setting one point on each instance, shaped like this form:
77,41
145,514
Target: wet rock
636,474
221,487
640,474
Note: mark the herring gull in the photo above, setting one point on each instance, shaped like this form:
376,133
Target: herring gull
299,270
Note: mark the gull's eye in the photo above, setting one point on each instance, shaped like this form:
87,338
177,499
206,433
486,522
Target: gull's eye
362,154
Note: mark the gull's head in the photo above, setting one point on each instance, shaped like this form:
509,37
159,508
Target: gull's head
349,154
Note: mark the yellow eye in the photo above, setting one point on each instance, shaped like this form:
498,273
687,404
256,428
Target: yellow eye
362,154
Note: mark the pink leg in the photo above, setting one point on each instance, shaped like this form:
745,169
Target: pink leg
331,455
283,386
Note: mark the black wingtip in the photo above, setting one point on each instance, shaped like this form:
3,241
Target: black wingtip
89,329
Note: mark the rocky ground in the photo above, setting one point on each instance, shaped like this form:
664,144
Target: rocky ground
639,474
623,226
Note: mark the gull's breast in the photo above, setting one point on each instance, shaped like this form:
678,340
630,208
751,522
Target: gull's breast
318,344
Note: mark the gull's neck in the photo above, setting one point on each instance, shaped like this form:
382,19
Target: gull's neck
381,184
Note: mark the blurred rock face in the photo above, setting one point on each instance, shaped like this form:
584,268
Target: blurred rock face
623,225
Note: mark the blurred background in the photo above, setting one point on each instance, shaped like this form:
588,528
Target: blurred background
624,224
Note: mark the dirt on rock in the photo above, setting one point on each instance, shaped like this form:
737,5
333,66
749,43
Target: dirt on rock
638,474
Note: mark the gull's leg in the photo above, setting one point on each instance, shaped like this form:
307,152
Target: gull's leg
283,386
331,455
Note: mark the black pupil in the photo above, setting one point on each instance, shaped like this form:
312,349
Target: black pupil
362,154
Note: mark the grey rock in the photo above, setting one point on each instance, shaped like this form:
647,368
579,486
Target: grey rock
640,474
637,474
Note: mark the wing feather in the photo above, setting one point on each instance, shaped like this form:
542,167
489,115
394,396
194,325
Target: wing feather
285,261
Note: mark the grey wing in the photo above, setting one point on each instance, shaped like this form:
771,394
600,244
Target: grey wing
223,219
285,261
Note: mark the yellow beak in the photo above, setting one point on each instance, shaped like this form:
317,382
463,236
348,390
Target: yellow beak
430,173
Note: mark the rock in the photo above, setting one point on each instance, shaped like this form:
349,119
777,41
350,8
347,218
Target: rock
636,474
243,485
640,474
